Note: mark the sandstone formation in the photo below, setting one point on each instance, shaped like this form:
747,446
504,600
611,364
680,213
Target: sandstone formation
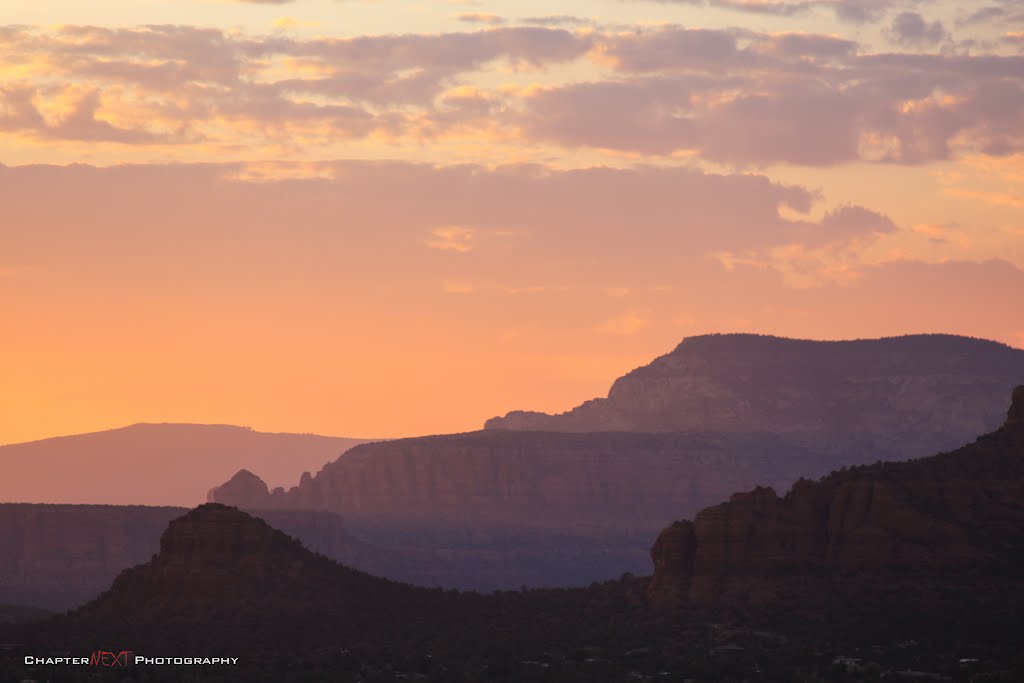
504,509
154,464
948,521
860,401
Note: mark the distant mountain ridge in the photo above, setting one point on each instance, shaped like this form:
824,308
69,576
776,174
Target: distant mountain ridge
154,464
865,400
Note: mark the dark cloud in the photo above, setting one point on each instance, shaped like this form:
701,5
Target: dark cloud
983,16
911,29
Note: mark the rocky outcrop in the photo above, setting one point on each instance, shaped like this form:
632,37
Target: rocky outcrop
243,486
859,401
947,520
154,464
512,508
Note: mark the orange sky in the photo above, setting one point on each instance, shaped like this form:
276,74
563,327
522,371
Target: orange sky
239,214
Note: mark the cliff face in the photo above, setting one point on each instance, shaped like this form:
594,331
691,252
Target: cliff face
861,400
507,508
154,464
941,521
58,556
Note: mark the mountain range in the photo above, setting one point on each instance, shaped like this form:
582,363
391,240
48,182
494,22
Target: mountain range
896,571
510,505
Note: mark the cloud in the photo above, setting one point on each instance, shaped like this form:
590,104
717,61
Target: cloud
726,96
911,29
452,238
174,84
782,8
334,236
558,20
480,18
804,99
853,11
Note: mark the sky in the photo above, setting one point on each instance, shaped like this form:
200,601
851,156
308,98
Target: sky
388,218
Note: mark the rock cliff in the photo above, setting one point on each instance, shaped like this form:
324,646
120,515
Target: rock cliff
508,508
861,400
953,519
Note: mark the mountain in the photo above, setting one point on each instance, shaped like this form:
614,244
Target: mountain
722,413
938,529
154,464
60,556
863,400
502,509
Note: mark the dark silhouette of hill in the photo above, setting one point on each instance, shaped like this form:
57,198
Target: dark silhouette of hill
60,556
863,400
154,464
934,529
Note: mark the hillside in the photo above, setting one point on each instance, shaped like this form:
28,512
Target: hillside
932,528
60,556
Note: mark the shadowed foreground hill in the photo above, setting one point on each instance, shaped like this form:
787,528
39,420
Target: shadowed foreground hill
60,556
154,464
928,528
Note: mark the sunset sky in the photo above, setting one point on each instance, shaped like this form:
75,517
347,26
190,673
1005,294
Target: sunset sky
388,218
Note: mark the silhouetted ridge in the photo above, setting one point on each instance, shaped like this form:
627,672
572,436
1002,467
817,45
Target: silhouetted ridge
1015,416
952,520
218,564
852,401
918,343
